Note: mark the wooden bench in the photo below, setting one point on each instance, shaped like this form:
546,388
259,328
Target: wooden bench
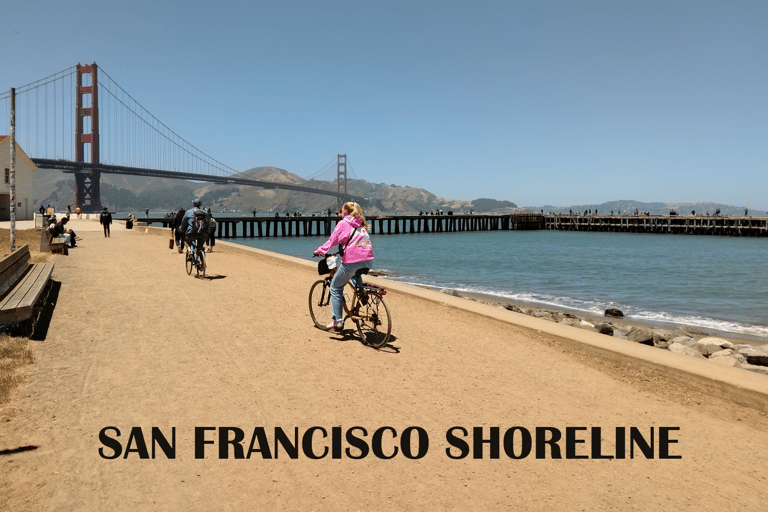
21,286
48,243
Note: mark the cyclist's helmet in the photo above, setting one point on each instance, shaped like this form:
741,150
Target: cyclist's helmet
196,203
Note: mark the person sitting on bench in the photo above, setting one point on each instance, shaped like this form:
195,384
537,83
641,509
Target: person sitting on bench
59,230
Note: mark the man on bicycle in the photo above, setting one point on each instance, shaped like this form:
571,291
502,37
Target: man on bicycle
192,238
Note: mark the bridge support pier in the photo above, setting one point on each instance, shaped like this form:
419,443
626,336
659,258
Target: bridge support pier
88,191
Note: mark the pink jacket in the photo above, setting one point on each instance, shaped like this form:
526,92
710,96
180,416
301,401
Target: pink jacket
359,248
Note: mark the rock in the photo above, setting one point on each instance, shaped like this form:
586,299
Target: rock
689,331
755,368
683,340
679,348
587,326
710,345
604,328
546,315
573,322
728,353
755,355
661,343
450,292
512,307
640,335
614,313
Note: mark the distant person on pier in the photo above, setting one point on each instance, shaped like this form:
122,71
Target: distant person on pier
351,235
42,209
211,231
106,220
254,212
69,210
146,212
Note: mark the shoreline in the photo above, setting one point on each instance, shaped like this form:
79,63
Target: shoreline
623,323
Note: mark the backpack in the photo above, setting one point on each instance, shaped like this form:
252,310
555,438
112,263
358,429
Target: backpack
200,225
212,225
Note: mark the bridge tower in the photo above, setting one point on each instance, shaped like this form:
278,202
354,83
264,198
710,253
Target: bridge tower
341,163
87,183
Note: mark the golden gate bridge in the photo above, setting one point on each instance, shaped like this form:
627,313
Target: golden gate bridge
114,134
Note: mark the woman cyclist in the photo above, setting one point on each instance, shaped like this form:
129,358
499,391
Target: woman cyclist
351,235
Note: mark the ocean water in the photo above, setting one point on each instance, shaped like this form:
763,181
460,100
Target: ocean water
719,283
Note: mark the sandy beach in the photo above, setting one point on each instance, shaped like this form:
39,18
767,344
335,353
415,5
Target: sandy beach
135,343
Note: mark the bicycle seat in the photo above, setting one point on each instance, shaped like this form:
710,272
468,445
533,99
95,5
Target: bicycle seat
362,271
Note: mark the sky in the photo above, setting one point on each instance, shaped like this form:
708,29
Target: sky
536,102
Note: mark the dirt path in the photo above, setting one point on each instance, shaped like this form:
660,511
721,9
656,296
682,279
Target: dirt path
135,342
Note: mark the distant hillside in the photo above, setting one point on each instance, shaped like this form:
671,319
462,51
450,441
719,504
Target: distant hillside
629,206
134,193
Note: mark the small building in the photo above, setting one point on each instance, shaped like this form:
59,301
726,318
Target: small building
25,182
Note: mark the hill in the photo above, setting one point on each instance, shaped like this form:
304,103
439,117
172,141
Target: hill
134,193
629,206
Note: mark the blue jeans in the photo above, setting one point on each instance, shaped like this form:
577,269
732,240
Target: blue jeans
344,274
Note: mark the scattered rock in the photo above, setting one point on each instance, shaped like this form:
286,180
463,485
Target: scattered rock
683,340
755,355
614,313
512,307
679,348
640,335
450,292
587,326
710,345
604,328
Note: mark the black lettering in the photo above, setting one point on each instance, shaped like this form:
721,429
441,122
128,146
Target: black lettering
200,441
405,443
665,441
636,438
259,444
169,449
597,444
335,443
225,441
457,443
621,443
281,439
358,443
571,442
376,443
478,441
306,443
542,441
525,443
137,436
107,441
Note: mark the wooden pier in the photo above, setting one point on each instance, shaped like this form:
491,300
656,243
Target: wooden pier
262,226
661,224
284,226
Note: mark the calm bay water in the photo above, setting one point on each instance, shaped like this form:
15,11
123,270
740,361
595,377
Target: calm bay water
719,283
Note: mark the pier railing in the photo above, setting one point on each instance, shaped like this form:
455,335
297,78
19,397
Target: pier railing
662,224
285,226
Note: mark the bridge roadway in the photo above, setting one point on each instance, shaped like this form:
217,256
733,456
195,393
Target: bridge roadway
285,226
69,166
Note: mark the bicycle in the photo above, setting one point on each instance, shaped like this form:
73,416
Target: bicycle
195,258
366,309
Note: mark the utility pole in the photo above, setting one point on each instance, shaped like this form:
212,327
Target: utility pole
12,177
341,162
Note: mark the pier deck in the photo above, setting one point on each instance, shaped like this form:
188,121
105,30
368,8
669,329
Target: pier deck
284,226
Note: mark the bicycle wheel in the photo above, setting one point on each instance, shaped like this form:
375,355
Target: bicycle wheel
374,325
320,304
189,261
200,263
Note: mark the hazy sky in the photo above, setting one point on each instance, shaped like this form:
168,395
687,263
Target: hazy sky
536,102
